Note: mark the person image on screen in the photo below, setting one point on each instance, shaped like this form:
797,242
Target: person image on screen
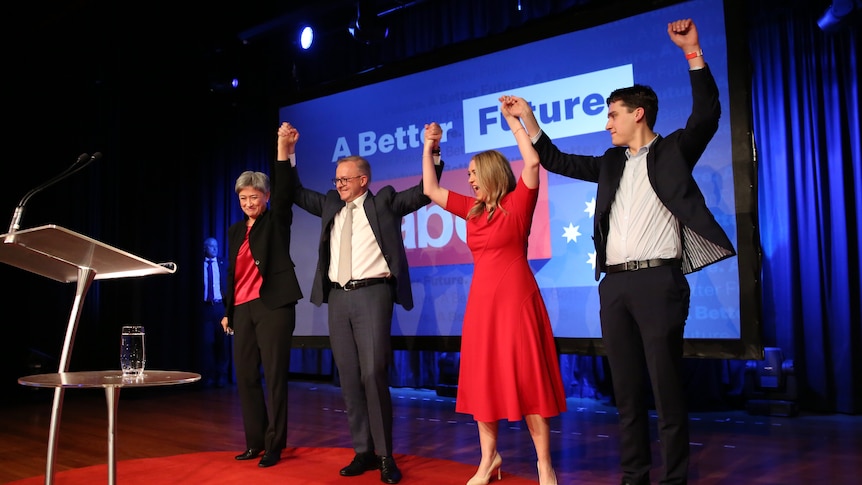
651,227
260,301
214,353
360,297
509,367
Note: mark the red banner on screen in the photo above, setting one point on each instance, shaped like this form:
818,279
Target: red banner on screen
435,237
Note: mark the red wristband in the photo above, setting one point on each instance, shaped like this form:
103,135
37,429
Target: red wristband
692,55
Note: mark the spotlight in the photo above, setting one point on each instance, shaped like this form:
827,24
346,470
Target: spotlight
367,27
837,16
224,86
306,37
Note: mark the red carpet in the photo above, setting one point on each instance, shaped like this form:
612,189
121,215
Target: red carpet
298,466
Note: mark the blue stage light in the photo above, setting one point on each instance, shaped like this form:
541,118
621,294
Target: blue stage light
840,15
306,37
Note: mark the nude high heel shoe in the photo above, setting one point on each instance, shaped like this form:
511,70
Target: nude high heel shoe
496,464
540,476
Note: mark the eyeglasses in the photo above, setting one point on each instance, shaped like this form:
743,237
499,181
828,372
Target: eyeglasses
343,180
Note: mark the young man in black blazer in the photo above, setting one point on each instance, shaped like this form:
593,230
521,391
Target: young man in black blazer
651,227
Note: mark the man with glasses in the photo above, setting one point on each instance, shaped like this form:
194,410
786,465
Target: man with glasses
361,273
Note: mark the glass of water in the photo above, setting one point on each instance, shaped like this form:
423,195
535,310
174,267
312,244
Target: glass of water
133,356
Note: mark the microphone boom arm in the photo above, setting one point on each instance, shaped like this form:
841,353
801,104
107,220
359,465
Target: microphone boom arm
83,160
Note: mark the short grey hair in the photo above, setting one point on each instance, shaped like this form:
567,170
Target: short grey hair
361,164
255,180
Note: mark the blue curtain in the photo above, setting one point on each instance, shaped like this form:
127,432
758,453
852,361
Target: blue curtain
806,105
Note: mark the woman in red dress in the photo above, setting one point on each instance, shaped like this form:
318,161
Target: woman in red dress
509,366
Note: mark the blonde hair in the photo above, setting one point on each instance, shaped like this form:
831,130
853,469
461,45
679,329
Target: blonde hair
494,175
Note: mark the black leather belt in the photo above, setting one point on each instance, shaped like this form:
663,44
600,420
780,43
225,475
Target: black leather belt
212,302
636,265
354,284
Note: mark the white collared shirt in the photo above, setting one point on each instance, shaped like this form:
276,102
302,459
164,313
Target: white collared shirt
368,261
641,227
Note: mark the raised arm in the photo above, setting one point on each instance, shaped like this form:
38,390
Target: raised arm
509,106
430,184
683,33
287,137
281,177
524,112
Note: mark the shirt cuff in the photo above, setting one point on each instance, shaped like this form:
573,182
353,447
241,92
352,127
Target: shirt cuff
290,158
536,137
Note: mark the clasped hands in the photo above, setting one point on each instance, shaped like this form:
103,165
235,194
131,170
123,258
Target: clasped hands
433,134
286,132
513,106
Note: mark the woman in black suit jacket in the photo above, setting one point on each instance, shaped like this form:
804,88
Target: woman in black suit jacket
260,302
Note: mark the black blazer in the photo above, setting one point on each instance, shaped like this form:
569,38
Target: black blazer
269,241
385,211
670,163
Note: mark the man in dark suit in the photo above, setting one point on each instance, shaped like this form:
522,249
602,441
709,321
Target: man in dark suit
215,345
651,227
361,298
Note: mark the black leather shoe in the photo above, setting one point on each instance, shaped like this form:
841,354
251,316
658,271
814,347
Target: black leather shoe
248,454
270,458
389,472
361,463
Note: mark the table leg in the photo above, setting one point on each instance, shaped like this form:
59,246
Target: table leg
112,397
56,411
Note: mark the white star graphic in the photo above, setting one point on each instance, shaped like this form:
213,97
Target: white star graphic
571,233
591,207
592,259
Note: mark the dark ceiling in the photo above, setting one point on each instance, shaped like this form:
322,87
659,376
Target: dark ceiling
96,44
84,45
176,57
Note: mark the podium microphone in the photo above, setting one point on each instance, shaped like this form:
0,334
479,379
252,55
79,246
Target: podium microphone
82,161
